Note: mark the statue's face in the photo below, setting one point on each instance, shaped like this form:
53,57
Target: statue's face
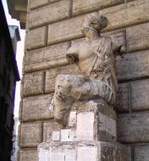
88,31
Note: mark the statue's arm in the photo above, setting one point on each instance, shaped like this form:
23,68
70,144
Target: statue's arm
72,55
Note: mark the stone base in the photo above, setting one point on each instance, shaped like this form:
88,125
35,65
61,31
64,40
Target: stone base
96,121
80,151
89,136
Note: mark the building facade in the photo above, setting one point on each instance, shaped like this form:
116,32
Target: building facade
52,27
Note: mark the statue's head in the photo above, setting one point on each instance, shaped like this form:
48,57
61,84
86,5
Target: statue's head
94,22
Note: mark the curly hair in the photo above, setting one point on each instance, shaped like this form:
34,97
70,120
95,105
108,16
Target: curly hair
95,22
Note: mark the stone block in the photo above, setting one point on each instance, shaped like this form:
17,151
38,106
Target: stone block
56,152
67,135
141,152
113,152
125,15
49,13
87,153
137,37
36,3
48,128
82,6
96,121
28,155
133,127
65,30
133,65
31,134
33,83
46,57
85,126
36,108
36,38
133,96
92,151
52,74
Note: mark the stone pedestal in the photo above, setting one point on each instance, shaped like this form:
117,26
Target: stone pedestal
89,136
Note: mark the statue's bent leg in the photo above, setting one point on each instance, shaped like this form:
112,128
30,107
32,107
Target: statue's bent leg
102,89
65,96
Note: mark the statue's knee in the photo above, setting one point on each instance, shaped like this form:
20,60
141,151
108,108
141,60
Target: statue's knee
63,81
63,85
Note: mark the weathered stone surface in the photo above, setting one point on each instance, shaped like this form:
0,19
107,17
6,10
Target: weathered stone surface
31,134
82,6
65,30
53,0
37,107
33,83
142,152
133,96
42,58
95,120
52,74
47,14
137,37
114,151
87,153
36,38
134,65
48,128
121,15
28,155
133,127
91,151
37,3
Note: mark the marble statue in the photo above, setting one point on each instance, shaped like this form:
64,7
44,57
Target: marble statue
95,58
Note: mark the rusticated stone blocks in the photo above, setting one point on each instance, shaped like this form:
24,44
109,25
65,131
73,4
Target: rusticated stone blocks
31,134
133,127
36,38
35,108
33,83
50,13
28,155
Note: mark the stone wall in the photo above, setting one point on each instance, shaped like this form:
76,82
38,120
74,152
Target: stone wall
53,26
